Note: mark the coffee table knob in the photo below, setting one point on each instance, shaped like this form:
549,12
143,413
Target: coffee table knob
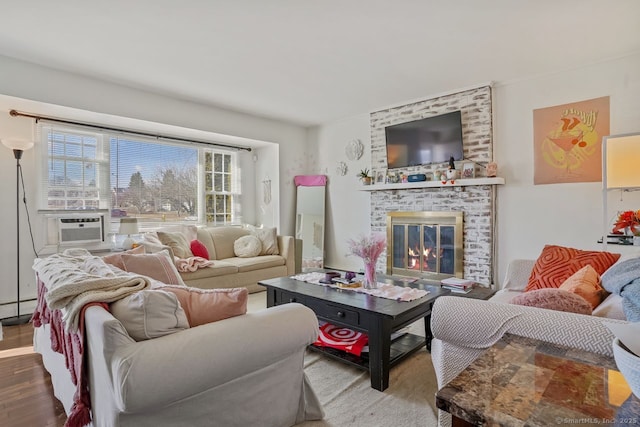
341,314
292,300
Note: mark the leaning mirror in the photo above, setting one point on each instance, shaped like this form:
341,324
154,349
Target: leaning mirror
310,196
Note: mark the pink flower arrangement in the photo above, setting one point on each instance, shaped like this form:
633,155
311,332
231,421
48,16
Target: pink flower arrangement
369,248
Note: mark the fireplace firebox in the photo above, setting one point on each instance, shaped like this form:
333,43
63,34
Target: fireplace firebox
425,244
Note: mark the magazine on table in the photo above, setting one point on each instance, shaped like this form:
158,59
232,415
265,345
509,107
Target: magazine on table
457,283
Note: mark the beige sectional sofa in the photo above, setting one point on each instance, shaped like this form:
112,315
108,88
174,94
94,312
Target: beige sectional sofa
231,271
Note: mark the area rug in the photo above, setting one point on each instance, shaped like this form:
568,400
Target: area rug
348,399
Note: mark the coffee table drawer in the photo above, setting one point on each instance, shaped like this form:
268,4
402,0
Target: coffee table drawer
284,297
334,312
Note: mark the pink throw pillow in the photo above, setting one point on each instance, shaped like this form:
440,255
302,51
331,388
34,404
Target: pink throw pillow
116,259
158,266
554,299
210,305
199,249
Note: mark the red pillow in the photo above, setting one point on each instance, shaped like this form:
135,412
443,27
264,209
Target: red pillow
557,263
199,249
341,338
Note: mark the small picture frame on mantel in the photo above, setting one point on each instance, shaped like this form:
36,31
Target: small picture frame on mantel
468,170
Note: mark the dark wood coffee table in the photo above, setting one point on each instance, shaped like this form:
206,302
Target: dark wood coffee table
375,316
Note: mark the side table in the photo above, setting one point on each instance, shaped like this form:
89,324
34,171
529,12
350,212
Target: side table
521,381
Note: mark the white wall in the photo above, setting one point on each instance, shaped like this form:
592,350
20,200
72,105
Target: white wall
528,216
41,90
266,160
348,211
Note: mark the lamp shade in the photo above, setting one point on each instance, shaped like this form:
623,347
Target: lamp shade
621,161
17,144
128,226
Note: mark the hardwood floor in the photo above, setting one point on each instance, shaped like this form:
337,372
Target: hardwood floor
26,393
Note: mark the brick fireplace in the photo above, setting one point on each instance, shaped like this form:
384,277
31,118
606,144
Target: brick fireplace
476,203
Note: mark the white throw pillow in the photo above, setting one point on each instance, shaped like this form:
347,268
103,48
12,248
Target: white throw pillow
269,239
150,314
247,246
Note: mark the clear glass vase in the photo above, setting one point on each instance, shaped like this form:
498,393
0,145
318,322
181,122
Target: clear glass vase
370,279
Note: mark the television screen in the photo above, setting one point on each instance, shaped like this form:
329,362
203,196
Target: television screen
425,141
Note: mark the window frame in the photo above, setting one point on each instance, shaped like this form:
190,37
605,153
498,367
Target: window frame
229,190
104,184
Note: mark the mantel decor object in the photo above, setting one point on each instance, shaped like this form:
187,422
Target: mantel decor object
354,149
365,177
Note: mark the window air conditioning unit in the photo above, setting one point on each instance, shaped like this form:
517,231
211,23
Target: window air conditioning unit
80,229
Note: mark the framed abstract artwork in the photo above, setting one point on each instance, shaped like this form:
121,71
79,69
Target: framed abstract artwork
567,141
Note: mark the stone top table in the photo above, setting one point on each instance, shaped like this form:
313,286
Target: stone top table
525,382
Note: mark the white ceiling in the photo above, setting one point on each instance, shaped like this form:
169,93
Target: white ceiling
311,62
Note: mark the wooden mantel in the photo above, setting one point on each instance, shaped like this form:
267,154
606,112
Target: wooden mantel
433,184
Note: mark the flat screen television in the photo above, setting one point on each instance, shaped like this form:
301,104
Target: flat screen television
425,141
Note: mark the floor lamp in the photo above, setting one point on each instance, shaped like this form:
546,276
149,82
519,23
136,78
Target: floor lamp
18,146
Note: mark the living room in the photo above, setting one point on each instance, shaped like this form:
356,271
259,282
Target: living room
528,216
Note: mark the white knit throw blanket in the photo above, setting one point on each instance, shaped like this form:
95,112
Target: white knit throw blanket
75,278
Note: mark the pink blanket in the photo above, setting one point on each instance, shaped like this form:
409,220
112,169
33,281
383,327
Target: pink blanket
71,346
192,263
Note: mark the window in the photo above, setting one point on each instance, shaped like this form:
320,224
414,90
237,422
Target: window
157,182
76,168
219,187
132,176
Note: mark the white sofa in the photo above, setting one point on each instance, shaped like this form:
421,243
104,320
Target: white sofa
241,371
464,328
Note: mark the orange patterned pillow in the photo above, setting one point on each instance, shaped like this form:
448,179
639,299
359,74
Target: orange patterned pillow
557,263
586,283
